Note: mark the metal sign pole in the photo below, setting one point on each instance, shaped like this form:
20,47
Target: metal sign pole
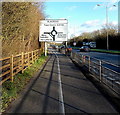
45,48
66,47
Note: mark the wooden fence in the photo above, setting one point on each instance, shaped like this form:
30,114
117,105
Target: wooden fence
18,63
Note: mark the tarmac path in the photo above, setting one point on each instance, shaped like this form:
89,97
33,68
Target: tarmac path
60,87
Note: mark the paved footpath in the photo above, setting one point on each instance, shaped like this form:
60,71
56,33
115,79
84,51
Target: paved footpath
61,88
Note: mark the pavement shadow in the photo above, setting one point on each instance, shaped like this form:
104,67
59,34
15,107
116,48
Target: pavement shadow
45,102
72,86
17,109
66,104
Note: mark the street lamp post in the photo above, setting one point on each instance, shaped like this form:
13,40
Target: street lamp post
107,24
74,43
107,27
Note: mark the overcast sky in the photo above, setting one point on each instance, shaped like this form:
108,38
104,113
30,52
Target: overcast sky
82,16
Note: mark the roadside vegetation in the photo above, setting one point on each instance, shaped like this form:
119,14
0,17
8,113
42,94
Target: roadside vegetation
100,38
11,90
20,33
20,27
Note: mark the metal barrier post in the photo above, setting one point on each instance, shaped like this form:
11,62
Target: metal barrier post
89,62
83,58
100,70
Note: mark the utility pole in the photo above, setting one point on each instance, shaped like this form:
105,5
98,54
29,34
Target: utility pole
107,24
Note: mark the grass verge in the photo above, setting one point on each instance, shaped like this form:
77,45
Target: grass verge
10,90
102,50
106,51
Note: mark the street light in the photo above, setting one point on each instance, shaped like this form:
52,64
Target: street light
106,23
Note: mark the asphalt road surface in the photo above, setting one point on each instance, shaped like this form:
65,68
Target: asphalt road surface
60,87
112,58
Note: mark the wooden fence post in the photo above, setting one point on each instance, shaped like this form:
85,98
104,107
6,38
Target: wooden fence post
40,52
32,56
11,68
22,61
28,59
37,54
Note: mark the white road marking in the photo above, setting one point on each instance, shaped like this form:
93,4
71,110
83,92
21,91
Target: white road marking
61,102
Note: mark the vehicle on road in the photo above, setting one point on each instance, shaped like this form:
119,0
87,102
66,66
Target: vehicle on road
68,49
84,49
61,47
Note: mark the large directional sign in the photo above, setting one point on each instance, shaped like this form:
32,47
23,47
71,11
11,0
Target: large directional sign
53,30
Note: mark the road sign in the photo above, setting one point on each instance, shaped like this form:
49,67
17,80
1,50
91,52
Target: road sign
74,43
53,30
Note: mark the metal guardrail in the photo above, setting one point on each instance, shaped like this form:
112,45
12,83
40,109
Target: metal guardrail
100,70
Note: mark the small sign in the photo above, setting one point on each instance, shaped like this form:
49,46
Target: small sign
53,30
74,43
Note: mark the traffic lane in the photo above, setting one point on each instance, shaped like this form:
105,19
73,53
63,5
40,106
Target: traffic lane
42,96
112,58
104,64
80,96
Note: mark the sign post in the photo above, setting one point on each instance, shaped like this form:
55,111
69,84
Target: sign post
45,48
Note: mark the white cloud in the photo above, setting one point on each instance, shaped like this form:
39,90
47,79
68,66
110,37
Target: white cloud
110,22
91,23
113,8
71,8
88,26
114,23
114,1
95,7
73,30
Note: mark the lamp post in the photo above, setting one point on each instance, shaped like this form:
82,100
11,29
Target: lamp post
107,24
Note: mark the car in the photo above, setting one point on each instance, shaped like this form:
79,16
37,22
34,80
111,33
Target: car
61,47
85,49
68,49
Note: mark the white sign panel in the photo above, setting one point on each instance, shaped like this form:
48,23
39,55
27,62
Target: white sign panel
53,30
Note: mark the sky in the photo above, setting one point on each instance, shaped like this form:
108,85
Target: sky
82,16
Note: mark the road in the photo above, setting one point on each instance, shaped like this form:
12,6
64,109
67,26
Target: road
60,87
112,58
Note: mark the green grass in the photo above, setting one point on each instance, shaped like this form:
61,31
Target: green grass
102,50
75,47
10,90
106,51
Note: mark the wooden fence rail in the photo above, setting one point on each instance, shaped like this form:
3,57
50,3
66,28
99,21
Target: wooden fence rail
18,63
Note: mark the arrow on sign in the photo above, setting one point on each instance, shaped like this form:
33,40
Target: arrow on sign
53,33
